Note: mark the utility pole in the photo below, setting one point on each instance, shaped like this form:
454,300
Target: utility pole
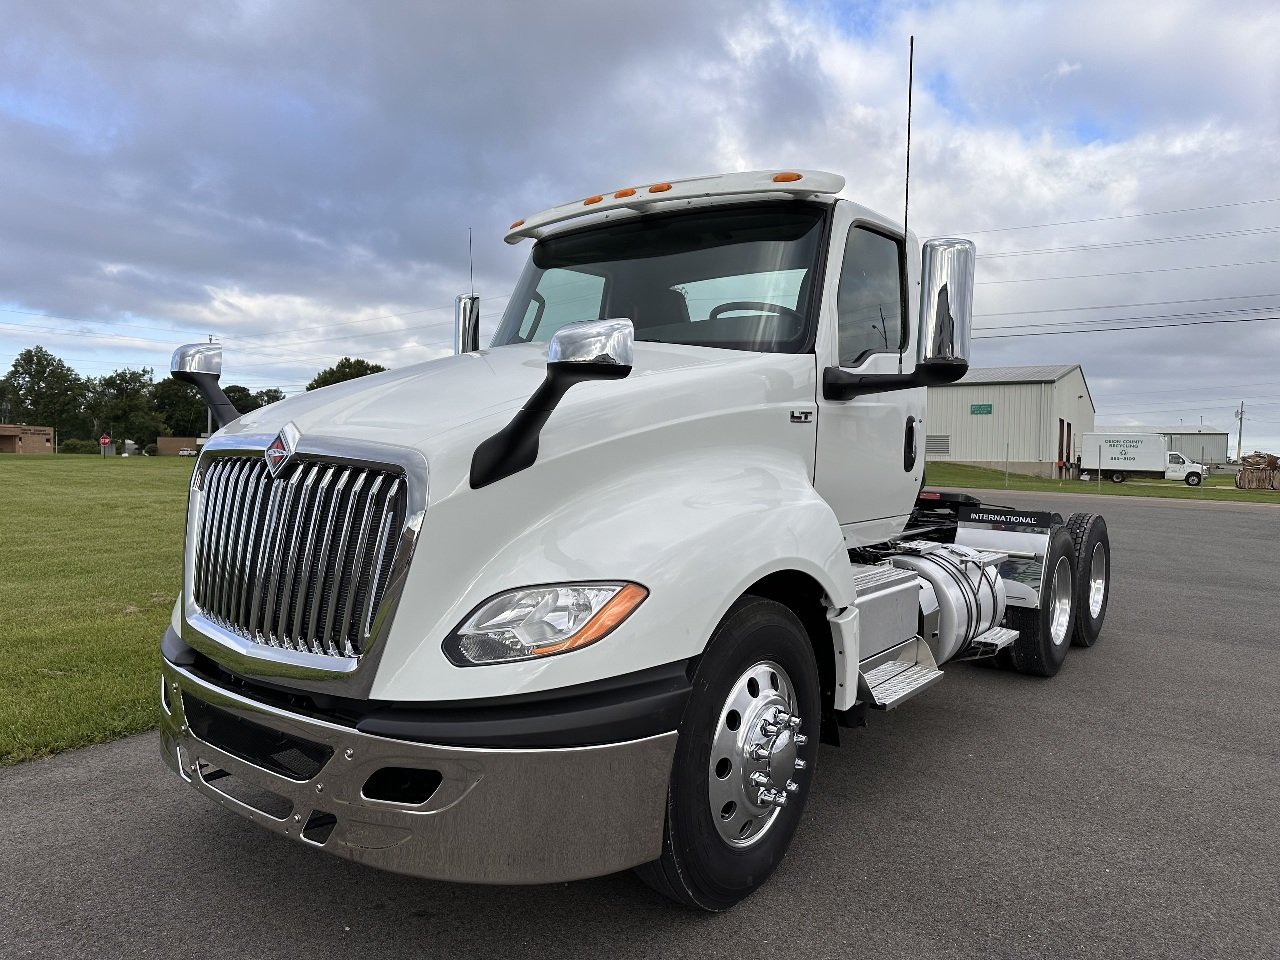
1240,433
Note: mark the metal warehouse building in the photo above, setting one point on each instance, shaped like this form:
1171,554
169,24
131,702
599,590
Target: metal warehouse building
1201,443
1033,417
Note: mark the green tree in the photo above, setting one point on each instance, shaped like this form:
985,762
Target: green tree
241,397
42,390
180,406
347,368
122,404
269,395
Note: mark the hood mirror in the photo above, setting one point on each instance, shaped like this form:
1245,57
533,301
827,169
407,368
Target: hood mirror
578,352
608,345
200,364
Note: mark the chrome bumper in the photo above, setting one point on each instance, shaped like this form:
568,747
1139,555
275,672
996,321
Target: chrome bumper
497,816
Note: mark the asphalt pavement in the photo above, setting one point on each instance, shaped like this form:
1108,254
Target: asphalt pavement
1129,807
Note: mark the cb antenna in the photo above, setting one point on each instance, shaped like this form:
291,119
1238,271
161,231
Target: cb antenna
906,186
906,180
471,263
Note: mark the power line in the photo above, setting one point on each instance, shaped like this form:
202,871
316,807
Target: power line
1126,306
1130,273
1110,329
1122,216
1115,244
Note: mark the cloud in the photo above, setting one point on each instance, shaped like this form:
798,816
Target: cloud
298,177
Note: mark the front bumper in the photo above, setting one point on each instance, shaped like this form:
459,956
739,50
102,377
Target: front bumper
497,816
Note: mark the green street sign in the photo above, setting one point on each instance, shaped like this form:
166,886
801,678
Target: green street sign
976,408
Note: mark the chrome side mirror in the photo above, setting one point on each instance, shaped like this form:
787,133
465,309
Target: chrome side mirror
603,343
466,323
578,352
200,364
946,302
197,358
946,317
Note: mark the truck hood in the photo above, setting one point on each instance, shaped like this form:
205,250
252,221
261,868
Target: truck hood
418,406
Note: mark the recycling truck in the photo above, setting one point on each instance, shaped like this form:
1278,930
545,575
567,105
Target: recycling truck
589,598
1119,456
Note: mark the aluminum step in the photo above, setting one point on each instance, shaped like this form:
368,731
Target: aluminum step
990,643
891,683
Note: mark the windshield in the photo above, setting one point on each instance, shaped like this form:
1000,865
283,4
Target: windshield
738,278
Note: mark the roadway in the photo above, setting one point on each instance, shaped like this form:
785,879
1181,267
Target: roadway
1126,808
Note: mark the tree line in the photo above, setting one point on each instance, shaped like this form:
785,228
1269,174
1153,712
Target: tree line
42,390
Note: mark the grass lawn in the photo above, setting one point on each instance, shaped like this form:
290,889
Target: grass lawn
1214,488
90,566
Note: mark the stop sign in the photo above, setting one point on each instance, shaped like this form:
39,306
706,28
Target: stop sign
104,440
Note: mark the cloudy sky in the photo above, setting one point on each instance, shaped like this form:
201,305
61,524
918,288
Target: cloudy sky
297,177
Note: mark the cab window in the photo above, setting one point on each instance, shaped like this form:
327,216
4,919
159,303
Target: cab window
870,300
1174,458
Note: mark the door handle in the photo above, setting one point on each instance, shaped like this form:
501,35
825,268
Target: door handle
909,446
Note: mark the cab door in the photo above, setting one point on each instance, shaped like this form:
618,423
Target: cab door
870,456
1177,467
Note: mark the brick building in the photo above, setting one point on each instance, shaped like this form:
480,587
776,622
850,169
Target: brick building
20,438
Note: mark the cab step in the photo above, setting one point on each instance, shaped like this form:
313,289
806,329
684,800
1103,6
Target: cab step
990,643
891,683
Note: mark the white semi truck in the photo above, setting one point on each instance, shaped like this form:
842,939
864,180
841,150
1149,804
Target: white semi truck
589,598
1119,456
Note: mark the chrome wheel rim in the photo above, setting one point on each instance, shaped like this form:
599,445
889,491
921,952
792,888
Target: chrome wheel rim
755,762
1097,581
1060,601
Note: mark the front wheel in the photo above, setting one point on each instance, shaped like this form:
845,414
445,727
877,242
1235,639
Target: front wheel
1193,479
744,759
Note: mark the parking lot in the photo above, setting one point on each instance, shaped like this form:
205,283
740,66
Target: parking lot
1127,807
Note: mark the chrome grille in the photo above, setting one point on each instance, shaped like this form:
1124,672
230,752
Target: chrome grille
300,560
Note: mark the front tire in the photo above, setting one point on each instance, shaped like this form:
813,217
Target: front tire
1192,479
1044,633
744,760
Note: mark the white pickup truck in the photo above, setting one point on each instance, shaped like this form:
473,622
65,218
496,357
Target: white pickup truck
588,598
1120,456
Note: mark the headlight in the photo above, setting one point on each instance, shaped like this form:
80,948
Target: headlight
541,621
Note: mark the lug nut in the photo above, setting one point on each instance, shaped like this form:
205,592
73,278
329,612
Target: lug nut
760,752
801,764
768,728
793,723
792,786
759,779
801,739
772,798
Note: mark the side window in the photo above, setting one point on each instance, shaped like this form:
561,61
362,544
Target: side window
563,296
1174,458
869,300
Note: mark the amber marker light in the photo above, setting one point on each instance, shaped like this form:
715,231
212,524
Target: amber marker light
620,606
786,177
590,200
660,188
518,223
625,192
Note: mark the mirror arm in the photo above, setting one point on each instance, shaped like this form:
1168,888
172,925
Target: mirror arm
515,446
839,384
224,412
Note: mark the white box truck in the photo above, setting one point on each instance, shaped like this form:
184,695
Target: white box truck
588,598
1123,455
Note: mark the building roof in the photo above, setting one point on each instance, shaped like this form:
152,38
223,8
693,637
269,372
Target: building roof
1046,373
1040,373
1179,428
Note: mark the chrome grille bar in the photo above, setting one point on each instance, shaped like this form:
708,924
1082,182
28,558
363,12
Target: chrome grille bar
300,560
